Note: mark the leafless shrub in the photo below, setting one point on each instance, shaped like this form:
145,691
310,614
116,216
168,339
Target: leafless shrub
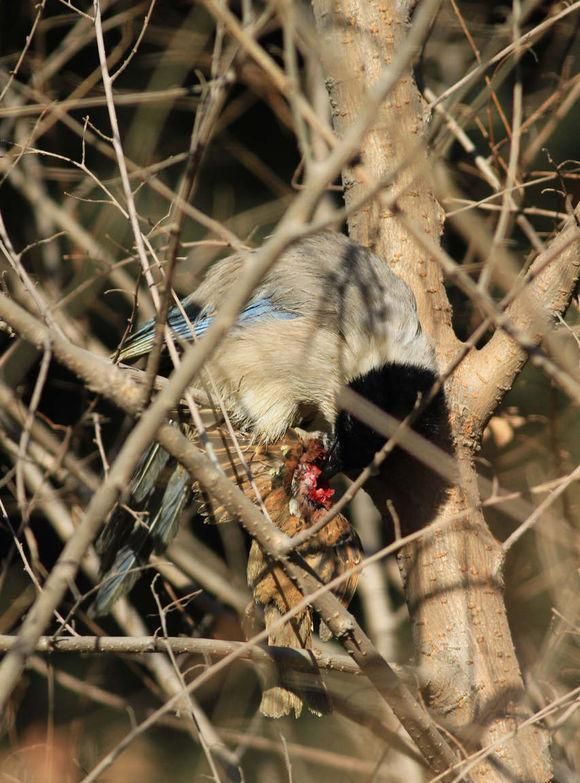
142,141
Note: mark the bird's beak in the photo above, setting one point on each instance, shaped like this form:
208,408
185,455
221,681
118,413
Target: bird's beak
332,463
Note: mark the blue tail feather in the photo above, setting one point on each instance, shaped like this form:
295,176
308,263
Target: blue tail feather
147,473
128,540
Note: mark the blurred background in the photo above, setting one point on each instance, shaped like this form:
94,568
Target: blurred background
58,183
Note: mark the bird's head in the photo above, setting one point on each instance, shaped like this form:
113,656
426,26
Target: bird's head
396,389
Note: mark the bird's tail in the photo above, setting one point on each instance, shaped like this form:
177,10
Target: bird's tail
298,686
159,493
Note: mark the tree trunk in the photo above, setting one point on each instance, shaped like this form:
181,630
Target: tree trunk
453,583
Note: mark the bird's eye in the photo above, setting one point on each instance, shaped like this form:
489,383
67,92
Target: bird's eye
307,414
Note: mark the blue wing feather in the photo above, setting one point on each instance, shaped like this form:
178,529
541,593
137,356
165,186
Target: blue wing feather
198,322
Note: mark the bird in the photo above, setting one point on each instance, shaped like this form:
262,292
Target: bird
285,480
329,313
296,497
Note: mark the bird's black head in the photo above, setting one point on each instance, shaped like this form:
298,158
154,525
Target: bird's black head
395,389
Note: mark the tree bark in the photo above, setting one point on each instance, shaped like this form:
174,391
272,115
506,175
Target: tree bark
453,578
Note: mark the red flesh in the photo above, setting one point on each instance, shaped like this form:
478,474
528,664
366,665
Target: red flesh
321,496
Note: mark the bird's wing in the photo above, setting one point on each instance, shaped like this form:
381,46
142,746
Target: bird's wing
190,321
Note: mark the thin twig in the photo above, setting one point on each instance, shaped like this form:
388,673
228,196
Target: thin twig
540,510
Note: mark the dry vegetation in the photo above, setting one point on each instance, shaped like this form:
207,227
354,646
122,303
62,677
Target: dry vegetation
140,142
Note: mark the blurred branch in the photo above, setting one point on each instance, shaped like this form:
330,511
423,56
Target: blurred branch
524,40
299,660
552,280
135,99
541,509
